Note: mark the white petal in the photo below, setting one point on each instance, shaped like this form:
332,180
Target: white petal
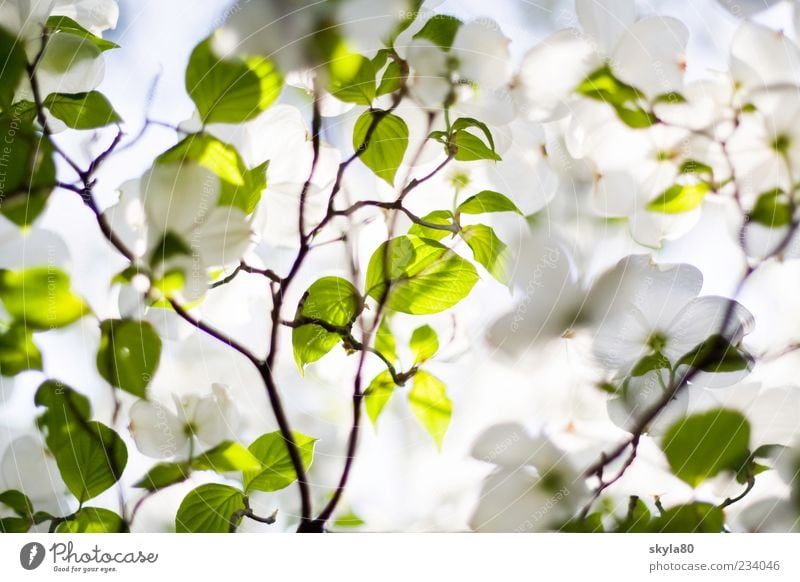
746,8
650,55
94,15
605,20
127,217
223,238
28,467
70,64
157,432
482,52
551,71
215,417
614,194
761,57
702,318
650,229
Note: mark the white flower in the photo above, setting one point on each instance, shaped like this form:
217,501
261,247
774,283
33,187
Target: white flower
746,8
654,308
29,467
533,487
761,58
639,394
161,434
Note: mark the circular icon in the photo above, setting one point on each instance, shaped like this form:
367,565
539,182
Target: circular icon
31,555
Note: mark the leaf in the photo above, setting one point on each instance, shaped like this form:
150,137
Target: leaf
690,518
385,342
56,24
702,445
163,475
40,298
12,67
93,520
18,352
90,456
386,145
441,30
716,355
377,395
392,79
332,300
29,172
129,354
489,251
349,519
216,156
430,405
22,506
470,148
356,84
424,344
210,508
14,525
230,89
679,198
443,217
82,110
487,201
603,85
247,195
423,276
637,519
226,456
277,471
772,209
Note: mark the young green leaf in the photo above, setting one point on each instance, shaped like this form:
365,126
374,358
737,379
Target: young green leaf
470,147
772,209
227,89
702,445
385,342
129,354
420,275
385,145
430,405
18,502
332,300
18,352
276,471
377,395
12,67
163,475
226,456
441,30
64,24
90,456
82,110
356,85
717,356
487,201
489,251
40,298
690,518
247,195
442,217
424,344
210,508
392,79
93,520
679,198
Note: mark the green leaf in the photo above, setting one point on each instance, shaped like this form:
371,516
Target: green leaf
226,456
470,147
657,361
348,520
277,471
702,445
247,195
12,66
18,502
18,352
637,519
424,344
332,300
82,110
772,209
93,520
210,508
163,475
421,276
14,525
690,518
443,217
430,405
377,395
441,30
592,524
487,201
489,251
29,172
386,145
216,156
40,298
679,198
354,84
230,89
56,24
392,79
385,342
603,85
635,117
90,456
716,355
129,354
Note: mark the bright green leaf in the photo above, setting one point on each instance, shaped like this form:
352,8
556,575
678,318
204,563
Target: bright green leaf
717,356
690,518
424,344
229,89
247,195
210,508
277,471
163,475
385,342
12,66
226,456
356,85
430,405
82,110
129,354
487,201
772,209
17,351
57,24
441,30
489,251
385,145
17,501
423,276
93,520
702,445
470,147
392,79
679,198
40,298
442,217
377,395
348,520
